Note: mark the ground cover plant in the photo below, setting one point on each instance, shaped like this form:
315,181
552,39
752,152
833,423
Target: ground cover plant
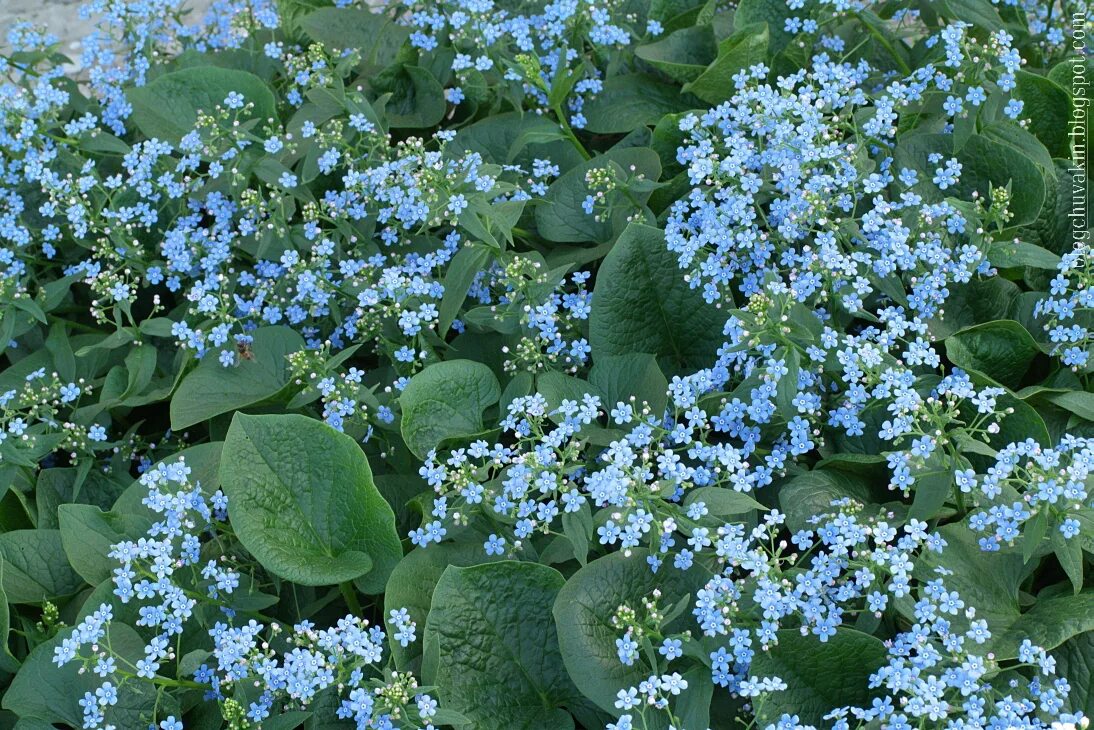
499,364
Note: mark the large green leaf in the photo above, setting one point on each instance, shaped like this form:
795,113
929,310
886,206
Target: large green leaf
643,304
492,647
518,139
8,663
413,580
211,389
635,375
987,162
43,691
772,12
745,48
417,98
446,401
1002,350
34,568
301,499
375,36
979,300
1075,661
88,533
681,55
168,106
819,675
630,101
1048,624
989,582
812,494
1048,107
560,217
1052,228
583,613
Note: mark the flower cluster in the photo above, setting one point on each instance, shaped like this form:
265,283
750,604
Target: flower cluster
1067,311
1031,490
535,54
166,573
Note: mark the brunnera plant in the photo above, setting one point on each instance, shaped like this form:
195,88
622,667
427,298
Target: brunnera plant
548,365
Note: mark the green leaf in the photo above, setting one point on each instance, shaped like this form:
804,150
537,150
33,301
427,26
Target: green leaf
376,37
979,300
820,676
204,463
681,55
1070,555
934,484
560,217
979,13
1047,106
417,98
812,493
643,304
1002,350
465,266
630,101
1048,624
635,375
496,646
556,387
413,581
772,12
1063,192
723,502
167,107
88,533
516,138
745,48
446,401
1075,661
990,582
301,499
1033,534
1078,402
8,663
211,389
986,163
34,568
693,707
43,691
578,529
1011,254
583,612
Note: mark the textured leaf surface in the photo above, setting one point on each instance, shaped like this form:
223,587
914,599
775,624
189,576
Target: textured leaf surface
167,107
375,36
35,567
990,583
497,655
1002,350
212,389
583,613
560,216
643,304
42,691
446,401
413,581
820,675
1075,660
301,499
630,101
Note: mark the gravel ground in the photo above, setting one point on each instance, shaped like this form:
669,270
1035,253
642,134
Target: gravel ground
62,18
